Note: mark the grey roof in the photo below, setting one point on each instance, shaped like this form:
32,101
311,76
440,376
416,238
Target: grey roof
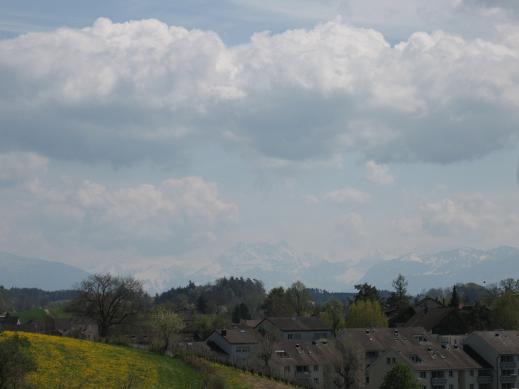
504,342
303,353
414,346
239,336
428,319
298,323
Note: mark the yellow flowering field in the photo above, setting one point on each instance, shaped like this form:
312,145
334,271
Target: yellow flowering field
66,363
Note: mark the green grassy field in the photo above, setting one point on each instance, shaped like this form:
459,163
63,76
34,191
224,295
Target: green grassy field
67,363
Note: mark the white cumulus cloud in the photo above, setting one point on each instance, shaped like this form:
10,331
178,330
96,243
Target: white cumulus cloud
123,92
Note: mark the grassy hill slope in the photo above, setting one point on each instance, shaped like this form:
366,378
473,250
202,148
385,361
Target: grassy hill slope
66,363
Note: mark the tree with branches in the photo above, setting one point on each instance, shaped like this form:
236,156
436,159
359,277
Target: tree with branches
109,300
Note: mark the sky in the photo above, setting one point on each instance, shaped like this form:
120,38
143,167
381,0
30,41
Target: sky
156,132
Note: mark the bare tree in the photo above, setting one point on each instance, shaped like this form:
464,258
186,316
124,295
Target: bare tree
109,300
266,348
347,366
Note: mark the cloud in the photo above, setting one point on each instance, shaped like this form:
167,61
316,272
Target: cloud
503,5
347,195
378,174
143,90
177,215
16,167
470,214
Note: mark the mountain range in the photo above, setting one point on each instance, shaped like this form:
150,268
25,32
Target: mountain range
446,268
16,271
278,264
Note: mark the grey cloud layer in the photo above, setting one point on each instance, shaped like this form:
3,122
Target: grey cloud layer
144,90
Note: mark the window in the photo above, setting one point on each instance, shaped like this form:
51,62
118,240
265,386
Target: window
371,354
289,336
472,373
507,386
287,369
423,374
507,358
316,367
507,372
438,374
450,373
388,361
281,354
316,380
471,386
367,379
451,386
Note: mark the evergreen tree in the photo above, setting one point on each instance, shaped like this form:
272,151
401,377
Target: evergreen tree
277,303
399,297
240,312
455,300
366,292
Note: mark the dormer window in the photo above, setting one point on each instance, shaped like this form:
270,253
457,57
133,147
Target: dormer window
282,354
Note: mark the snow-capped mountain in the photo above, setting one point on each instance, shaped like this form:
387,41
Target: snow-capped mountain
446,268
279,264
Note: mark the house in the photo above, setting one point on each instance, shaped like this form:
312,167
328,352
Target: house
295,329
500,351
439,319
305,363
238,344
434,366
9,322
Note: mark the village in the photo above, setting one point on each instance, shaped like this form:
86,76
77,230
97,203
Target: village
285,335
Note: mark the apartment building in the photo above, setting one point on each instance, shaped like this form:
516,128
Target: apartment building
307,364
435,366
499,350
